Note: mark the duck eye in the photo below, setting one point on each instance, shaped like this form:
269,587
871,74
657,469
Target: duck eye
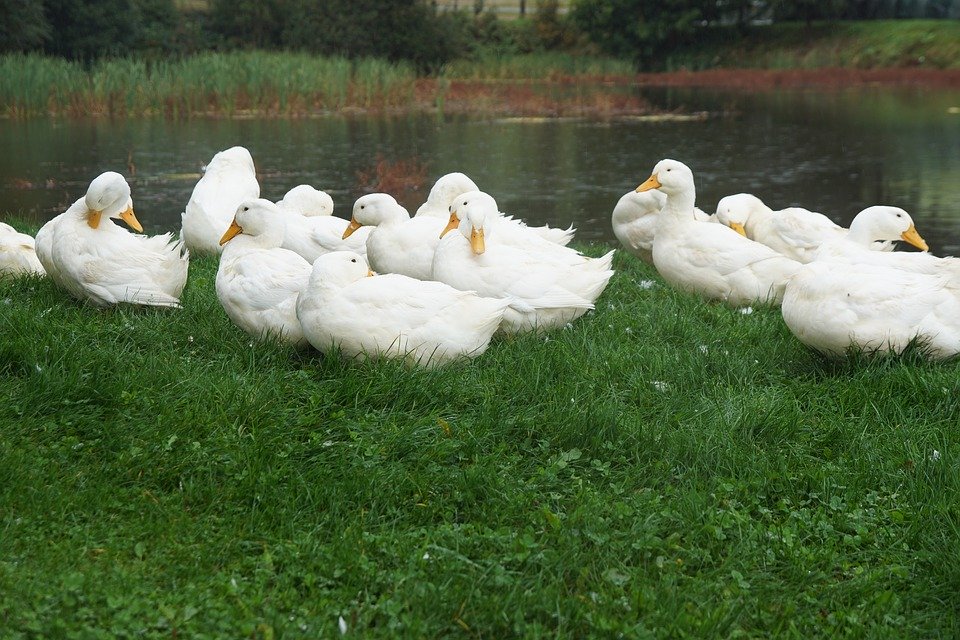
353,259
246,208
899,216
363,206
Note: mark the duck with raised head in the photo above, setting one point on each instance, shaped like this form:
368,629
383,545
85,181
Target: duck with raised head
258,281
851,296
396,243
711,260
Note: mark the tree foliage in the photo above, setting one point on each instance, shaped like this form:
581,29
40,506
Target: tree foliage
638,29
24,25
393,29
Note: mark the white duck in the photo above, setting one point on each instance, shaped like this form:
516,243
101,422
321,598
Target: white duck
544,290
634,221
257,281
312,229
392,316
711,260
794,232
396,242
229,179
858,244
451,185
95,260
18,254
852,296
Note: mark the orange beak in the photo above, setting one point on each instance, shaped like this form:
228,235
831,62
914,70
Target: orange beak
353,226
93,219
911,236
651,183
476,240
233,230
131,220
451,225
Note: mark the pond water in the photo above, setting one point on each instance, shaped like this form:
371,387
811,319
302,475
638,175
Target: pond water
832,151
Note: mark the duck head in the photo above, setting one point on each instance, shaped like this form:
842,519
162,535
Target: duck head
474,214
109,194
669,176
259,219
735,210
880,223
374,209
340,268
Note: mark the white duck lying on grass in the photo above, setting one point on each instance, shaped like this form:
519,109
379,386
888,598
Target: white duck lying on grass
18,253
100,262
257,281
634,221
794,232
709,259
392,315
451,185
545,290
312,229
852,297
229,179
396,243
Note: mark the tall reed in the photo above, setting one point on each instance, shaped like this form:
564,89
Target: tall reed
208,83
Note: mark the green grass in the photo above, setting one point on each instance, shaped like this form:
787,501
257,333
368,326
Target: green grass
858,45
664,468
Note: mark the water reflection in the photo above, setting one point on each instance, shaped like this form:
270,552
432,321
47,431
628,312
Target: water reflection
836,152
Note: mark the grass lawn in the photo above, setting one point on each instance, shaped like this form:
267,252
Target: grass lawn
664,468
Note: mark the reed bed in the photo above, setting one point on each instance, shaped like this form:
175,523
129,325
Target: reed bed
537,66
287,84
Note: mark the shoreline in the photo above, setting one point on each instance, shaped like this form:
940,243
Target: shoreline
600,96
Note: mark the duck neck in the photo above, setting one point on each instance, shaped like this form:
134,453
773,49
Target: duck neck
679,205
860,236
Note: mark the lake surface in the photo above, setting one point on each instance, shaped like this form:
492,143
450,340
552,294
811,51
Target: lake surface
832,151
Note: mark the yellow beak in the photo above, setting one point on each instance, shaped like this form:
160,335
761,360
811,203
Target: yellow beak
651,183
911,236
353,226
233,230
93,219
476,240
371,273
451,225
131,220
736,226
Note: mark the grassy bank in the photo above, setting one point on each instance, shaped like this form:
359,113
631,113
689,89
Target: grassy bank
263,83
293,84
664,467
932,44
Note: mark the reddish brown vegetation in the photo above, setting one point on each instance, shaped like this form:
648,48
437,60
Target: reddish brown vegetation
610,97
400,178
830,78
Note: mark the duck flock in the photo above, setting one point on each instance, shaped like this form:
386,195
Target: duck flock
436,286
